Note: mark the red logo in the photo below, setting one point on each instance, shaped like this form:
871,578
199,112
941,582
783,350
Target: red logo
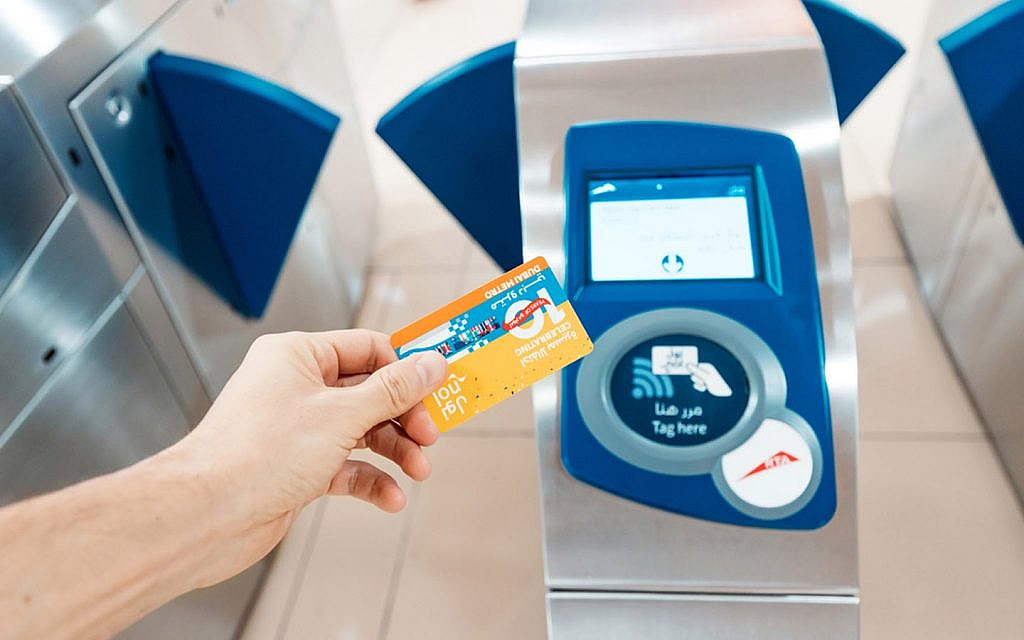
525,314
779,459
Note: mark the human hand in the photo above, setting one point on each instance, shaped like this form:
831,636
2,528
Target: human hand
280,433
706,377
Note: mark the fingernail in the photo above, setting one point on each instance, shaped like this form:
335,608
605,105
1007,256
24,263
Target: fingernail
431,367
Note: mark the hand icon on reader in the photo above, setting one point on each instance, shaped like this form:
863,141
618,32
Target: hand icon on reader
684,361
707,378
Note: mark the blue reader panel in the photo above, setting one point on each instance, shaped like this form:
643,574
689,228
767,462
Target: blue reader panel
690,260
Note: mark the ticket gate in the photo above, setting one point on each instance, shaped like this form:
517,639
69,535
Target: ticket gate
679,166
162,208
958,191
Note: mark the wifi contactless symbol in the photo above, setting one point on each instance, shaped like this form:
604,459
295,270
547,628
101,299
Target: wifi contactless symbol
648,385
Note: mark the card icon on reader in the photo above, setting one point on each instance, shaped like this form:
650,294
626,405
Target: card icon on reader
685,361
672,361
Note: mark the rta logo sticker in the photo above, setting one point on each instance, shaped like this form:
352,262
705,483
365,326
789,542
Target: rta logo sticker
515,322
779,459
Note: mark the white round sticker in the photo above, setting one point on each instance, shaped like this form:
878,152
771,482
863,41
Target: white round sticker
772,469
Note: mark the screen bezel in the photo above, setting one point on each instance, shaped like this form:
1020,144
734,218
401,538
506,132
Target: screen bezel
753,217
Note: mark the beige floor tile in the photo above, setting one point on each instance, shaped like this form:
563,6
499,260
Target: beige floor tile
395,180
344,592
479,262
473,568
476,275
412,295
942,543
363,25
873,232
273,607
859,181
418,234
375,305
907,383
512,417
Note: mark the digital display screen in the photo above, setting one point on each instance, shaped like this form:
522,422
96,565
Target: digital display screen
672,228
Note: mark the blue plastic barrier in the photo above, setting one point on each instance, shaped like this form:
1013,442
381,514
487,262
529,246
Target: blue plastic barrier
859,53
457,132
253,150
987,59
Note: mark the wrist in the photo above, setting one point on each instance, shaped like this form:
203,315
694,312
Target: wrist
196,485
194,498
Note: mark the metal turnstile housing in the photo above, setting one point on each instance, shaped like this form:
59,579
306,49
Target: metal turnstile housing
113,349
659,62
968,256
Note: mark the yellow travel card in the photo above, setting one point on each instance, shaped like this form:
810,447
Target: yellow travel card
498,340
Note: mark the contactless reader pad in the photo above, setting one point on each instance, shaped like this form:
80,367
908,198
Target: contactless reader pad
690,260
679,390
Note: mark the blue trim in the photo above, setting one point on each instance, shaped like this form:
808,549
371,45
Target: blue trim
783,309
986,57
253,150
859,53
457,133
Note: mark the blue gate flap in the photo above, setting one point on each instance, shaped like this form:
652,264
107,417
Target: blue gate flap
457,133
987,59
253,150
859,53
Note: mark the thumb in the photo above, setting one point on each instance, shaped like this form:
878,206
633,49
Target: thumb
696,371
394,389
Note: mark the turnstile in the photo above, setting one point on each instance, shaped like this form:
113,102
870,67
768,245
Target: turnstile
147,238
683,168
958,191
678,166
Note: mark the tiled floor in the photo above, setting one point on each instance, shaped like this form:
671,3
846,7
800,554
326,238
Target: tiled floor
942,537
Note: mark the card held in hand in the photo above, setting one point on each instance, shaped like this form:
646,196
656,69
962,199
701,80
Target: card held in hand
498,340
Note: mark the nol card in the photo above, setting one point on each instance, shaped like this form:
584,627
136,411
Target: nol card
498,340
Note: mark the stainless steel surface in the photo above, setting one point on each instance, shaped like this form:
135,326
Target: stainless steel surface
149,311
30,29
123,378
90,33
584,616
31,191
982,321
938,173
152,191
49,309
968,257
771,77
654,28
107,407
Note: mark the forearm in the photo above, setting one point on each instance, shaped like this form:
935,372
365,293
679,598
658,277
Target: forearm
87,561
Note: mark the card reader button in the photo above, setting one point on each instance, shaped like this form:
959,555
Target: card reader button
773,473
679,390
673,390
